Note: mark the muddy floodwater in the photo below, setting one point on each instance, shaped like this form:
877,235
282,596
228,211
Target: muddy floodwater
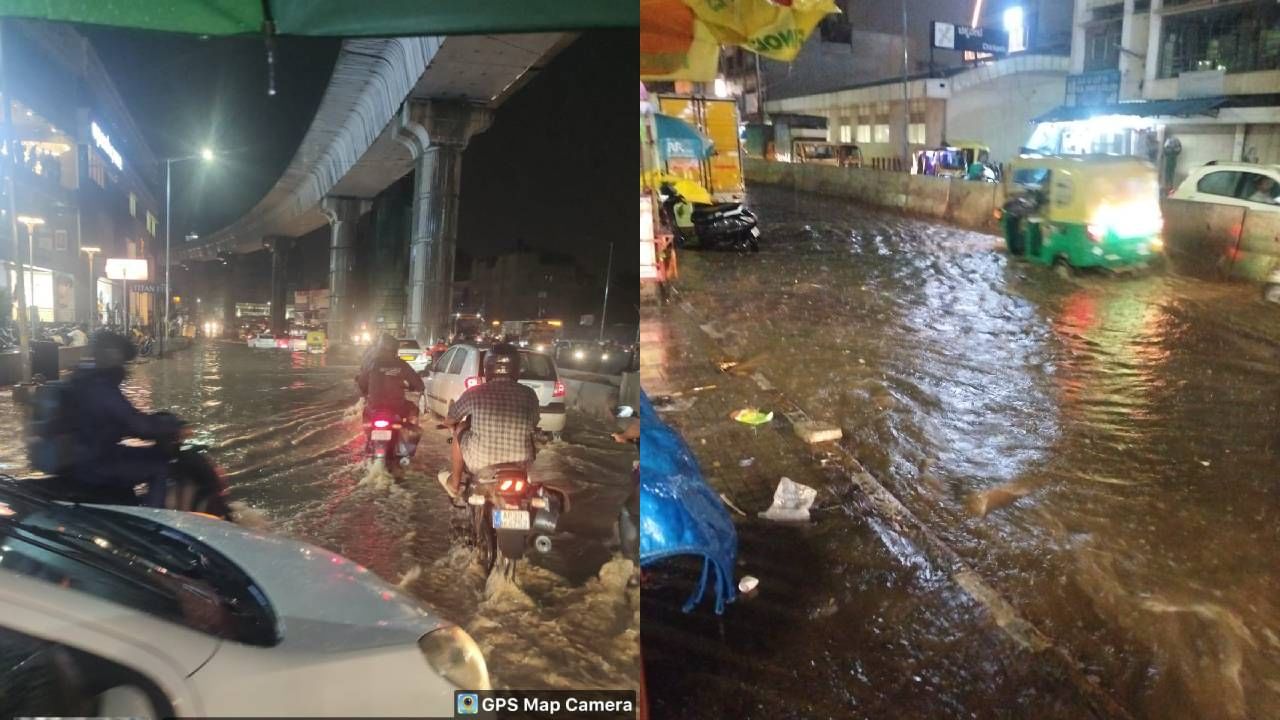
285,428
1104,451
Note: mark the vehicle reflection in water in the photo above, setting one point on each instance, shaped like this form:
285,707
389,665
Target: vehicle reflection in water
1102,449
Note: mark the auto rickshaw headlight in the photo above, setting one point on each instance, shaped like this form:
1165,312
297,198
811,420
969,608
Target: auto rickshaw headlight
1157,244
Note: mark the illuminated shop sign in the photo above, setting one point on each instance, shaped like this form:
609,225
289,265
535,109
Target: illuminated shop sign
104,144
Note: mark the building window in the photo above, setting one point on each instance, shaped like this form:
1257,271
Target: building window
1234,39
97,171
133,205
1102,46
59,239
846,132
915,130
151,224
880,133
44,239
864,133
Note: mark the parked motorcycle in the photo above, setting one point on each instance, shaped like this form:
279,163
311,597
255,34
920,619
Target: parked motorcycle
1271,288
726,226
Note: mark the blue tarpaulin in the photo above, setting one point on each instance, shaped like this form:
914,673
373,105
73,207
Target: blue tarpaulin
677,138
679,513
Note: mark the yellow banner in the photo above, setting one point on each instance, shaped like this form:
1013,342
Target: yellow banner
776,29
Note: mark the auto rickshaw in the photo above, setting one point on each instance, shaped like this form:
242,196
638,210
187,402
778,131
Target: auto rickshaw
826,153
316,341
1083,211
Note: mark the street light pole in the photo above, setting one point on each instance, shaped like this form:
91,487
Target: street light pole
164,335
604,310
93,286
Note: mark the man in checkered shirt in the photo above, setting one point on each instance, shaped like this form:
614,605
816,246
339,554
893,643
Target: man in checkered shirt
502,416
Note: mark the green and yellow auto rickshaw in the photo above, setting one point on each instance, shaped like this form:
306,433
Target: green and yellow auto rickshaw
1083,211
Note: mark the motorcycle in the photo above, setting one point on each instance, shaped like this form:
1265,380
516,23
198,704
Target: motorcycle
509,512
726,226
195,484
1271,288
390,438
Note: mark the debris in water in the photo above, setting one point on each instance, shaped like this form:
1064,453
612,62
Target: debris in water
625,411
816,431
747,584
727,365
791,502
825,610
752,416
409,577
247,517
746,462
1204,463
1001,496
672,403
731,506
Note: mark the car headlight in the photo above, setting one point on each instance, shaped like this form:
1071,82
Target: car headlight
578,355
604,356
451,652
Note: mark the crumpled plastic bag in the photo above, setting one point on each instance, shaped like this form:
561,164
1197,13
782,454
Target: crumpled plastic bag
791,502
751,416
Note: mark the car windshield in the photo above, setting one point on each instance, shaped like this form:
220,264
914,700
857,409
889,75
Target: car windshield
536,366
410,345
134,562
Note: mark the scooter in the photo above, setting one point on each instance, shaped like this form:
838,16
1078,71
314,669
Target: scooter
727,226
1271,288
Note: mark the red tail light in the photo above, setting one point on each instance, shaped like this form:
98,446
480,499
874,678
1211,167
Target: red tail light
381,423
472,382
511,487
559,391
282,343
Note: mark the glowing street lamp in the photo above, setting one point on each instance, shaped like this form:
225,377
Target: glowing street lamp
206,154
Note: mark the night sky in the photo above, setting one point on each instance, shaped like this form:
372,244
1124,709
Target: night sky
555,170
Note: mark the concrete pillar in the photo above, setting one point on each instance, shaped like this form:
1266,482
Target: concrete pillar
229,324
280,247
436,132
343,213
1152,68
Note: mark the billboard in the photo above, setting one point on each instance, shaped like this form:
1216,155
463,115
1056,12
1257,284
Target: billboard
130,269
949,36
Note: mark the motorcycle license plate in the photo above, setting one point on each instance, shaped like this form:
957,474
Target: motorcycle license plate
511,519
755,232
380,435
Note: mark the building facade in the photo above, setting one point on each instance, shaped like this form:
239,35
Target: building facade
85,179
1183,82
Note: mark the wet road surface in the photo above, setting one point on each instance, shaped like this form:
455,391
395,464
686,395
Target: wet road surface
1102,450
285,427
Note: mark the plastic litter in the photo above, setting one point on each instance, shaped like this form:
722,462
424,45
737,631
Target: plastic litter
729,504
746,462
747,584
751,416
626,411
791,502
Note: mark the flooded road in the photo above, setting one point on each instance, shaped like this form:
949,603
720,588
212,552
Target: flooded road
285,427
1104,451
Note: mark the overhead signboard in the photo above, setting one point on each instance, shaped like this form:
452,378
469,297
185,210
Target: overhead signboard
1090,89
149,288
130,269
949,36
104,144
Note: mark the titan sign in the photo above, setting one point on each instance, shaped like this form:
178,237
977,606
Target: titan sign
104,144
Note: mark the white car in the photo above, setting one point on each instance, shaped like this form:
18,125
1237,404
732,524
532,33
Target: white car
461,367
1247,185
267,341
116,611
411,352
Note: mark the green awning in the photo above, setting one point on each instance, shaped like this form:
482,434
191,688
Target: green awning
336,18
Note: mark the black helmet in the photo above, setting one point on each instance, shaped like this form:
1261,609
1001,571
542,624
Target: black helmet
387,344
502,361
111,350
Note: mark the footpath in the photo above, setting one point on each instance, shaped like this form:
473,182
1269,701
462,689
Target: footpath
858,612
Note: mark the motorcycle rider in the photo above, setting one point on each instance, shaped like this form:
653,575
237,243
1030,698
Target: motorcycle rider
384,379
102,416
495,421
